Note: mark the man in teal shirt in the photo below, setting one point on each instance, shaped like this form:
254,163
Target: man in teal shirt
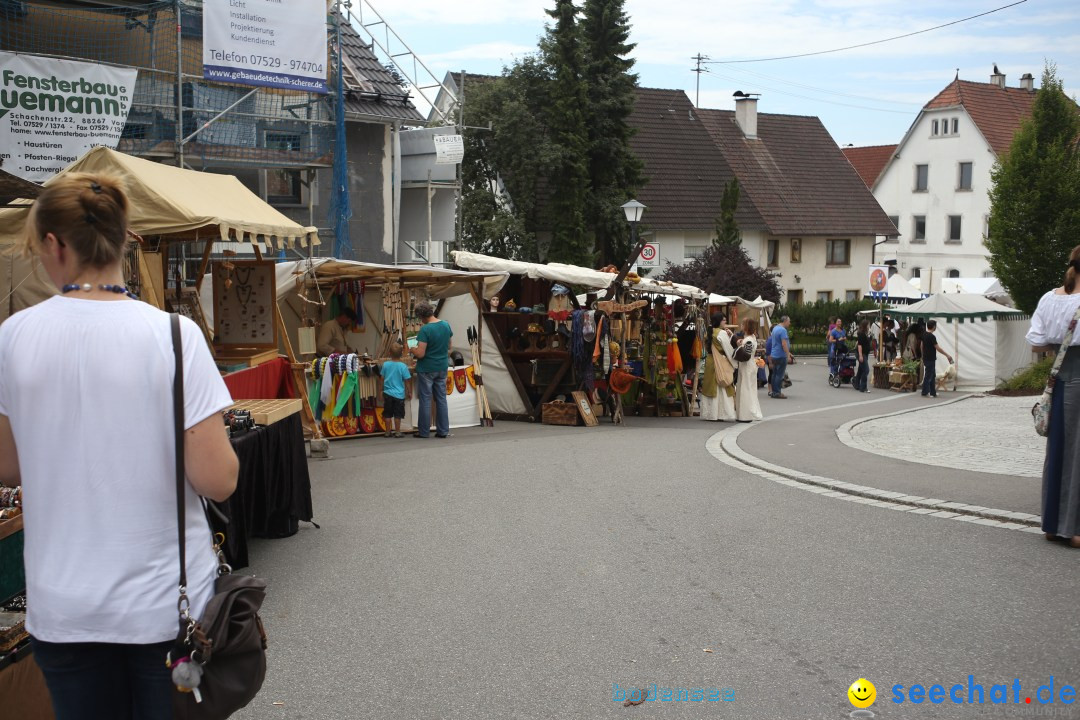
432,353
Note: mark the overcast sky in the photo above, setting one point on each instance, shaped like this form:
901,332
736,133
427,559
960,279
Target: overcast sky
864,96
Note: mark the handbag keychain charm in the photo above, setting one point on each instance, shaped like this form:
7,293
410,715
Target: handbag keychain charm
186,675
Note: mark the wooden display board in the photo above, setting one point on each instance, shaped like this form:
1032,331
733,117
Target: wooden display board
584,408
245,293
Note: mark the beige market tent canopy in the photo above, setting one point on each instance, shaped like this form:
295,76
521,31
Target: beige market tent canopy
572,275
186,204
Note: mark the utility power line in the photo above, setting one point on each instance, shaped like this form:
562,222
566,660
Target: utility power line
873,42
815,99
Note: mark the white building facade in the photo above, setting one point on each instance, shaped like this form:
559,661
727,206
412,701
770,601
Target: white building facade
936,185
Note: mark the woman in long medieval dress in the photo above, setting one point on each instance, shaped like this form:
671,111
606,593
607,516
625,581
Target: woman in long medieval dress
747,407
717,403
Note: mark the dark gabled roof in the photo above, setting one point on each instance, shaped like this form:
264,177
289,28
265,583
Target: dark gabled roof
796,177
380,96
996,111
685,171
869,161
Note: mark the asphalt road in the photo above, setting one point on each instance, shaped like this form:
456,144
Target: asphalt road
523,571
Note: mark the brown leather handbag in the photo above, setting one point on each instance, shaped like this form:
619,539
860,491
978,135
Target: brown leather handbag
219,660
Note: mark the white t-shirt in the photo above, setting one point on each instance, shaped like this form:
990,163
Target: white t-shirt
87,387
1052,317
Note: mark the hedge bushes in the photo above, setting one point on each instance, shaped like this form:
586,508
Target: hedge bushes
813,318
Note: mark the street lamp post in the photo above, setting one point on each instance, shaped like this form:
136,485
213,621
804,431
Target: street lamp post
633,211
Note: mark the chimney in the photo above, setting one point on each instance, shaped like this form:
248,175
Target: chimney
1027,82
998,77
746,116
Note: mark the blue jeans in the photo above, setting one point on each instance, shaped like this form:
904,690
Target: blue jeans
861,375
929,381
430,385
105,681
779,368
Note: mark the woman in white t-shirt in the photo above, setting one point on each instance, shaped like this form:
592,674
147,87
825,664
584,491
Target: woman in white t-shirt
1057,309
86,426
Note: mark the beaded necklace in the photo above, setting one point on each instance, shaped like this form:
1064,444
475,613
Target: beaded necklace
87,287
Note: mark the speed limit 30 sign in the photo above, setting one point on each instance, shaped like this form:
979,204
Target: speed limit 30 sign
650,255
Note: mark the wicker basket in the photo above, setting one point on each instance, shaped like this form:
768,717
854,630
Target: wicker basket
560,413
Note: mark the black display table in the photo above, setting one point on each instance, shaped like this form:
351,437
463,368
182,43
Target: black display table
273,490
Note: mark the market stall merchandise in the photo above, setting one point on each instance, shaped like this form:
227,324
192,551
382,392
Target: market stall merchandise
344,390
550,334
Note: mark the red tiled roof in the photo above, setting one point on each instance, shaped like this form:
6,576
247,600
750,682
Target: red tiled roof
996,111
869,161
796,177
685,170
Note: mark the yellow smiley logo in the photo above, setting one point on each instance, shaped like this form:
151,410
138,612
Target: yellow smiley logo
862,693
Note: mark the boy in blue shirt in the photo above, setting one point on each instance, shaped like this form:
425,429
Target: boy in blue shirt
394,374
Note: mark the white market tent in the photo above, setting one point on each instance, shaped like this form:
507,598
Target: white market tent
987,340
900,289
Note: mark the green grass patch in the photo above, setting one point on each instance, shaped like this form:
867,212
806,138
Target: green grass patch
1031,380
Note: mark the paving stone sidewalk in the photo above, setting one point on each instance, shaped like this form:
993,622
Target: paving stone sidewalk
983,433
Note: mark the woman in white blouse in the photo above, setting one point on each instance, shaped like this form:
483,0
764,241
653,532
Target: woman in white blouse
1057,311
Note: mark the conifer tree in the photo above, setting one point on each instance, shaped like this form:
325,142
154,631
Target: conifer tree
615,173
568,183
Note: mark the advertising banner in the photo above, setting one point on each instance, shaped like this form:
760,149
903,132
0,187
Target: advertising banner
877,280
449,149
268,43
53,111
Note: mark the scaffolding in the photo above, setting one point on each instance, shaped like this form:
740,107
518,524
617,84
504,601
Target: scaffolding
176,115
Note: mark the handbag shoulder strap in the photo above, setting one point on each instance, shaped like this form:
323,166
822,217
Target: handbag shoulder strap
178,422
1065,342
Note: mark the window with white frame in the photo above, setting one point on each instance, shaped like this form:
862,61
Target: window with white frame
922,178
934,127
986,227
916,272
954,228
945,126
693,252
918,229
952,273
963,181
955,126
851,295
837,252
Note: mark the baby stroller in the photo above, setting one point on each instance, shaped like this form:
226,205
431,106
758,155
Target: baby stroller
844,363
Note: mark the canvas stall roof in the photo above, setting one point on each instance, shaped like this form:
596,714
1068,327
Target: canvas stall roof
186,204
572,275
961,306
439,282
554,272
988,286
13,187
898,287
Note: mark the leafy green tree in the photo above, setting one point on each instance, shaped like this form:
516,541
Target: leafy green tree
569,180
727,228
500,182
615,173
727,270
1035,198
